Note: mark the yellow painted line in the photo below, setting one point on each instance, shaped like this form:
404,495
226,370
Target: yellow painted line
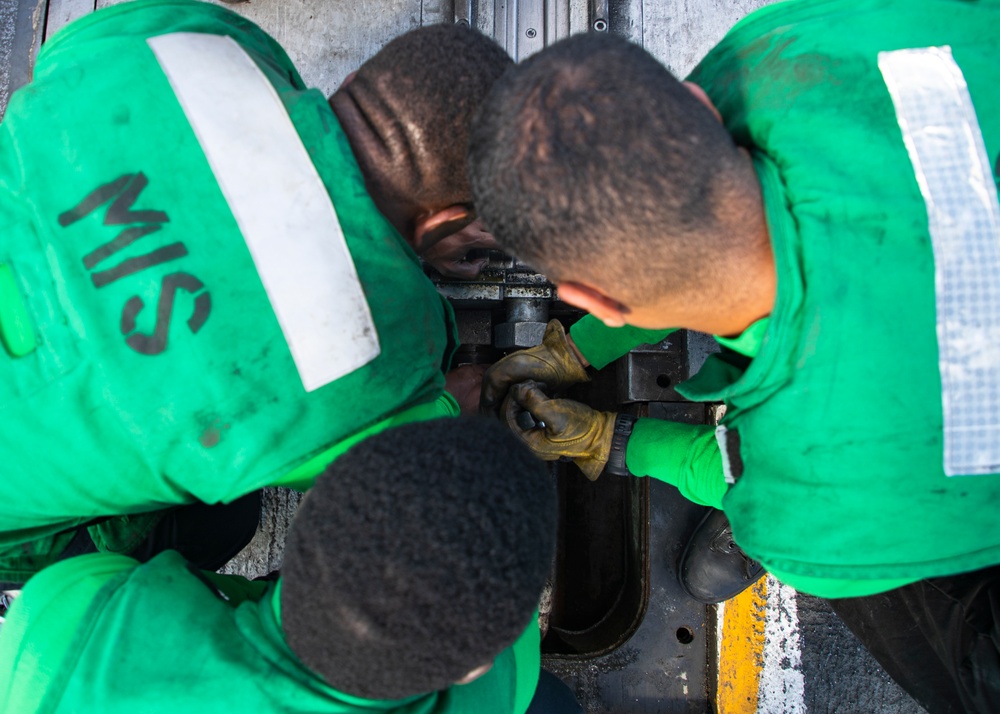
741,651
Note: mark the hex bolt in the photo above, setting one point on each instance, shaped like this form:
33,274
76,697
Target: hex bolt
525,325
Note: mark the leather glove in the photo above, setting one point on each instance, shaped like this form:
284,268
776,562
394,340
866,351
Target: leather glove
571,429
551,363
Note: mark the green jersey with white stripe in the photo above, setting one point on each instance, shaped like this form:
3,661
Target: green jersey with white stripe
838,419
198,296
837,430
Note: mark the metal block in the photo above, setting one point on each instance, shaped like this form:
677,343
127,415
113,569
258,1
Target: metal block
686,412
527,309
475,327
699,346
511,335
470,291
529,291
651,375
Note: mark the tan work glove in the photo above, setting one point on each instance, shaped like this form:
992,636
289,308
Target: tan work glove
570,429
551,363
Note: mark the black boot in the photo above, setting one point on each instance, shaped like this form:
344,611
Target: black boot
713,568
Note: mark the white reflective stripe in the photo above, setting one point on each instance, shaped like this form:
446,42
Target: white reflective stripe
279,202
722,436
945,144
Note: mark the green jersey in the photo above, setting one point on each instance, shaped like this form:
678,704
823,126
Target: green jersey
81,635
843,437
197,295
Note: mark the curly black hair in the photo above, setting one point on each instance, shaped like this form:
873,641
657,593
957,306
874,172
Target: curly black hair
419,94
590,153
418,556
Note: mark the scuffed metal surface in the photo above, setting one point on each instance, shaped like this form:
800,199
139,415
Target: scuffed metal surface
840,674
662,667
329,40
62,12
263,554
681,32
8,21
20,35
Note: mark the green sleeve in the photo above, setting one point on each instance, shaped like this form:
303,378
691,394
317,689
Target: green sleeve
601,345
683,455
43,622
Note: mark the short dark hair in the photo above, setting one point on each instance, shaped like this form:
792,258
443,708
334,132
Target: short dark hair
591,153
422,91
419,555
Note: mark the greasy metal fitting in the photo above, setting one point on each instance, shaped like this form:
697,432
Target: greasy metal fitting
526,321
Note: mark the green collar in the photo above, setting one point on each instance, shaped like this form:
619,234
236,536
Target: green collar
749,341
